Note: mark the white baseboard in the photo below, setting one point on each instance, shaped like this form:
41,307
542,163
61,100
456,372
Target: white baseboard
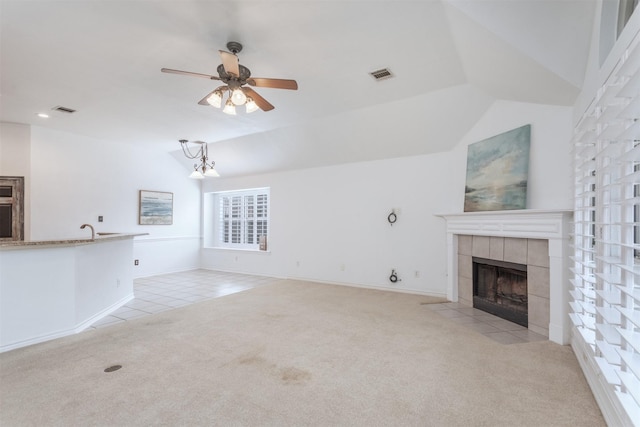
556,333
378,288
63,333
242,272
36,340
159,273
611,408
107,311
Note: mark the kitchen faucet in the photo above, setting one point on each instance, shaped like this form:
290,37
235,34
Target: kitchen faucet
93,232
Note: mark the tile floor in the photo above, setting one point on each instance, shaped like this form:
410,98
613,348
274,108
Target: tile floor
496,328
164,292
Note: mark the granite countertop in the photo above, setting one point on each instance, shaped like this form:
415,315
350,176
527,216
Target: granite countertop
100,237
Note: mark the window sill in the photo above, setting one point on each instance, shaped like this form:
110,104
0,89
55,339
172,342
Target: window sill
218,248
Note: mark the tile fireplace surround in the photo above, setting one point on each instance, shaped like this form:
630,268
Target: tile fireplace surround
537,238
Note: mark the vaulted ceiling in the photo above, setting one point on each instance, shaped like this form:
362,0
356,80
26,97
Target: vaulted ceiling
450,60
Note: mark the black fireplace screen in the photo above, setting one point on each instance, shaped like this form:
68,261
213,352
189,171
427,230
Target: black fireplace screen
500,288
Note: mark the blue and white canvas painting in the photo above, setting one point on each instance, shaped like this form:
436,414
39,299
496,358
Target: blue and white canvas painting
156,208
497,172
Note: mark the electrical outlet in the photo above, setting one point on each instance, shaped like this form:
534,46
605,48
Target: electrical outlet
100,218
136,262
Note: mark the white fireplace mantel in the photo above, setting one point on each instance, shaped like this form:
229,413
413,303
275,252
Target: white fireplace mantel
552,225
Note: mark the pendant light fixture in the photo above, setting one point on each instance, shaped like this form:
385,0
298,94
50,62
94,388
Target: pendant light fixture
203,169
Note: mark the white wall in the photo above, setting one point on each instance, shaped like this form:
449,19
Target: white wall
74,179
330,224
14,149
52,291
549,185
159,255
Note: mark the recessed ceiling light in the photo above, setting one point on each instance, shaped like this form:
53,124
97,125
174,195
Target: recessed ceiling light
43,115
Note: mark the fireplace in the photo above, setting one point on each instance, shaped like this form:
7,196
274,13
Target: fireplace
500,288
538,239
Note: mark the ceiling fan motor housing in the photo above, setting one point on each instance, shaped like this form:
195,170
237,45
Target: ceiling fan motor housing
229,79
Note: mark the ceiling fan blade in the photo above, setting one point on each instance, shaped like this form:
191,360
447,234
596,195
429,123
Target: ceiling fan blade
273,83
189,73
204,101
230,62
260,101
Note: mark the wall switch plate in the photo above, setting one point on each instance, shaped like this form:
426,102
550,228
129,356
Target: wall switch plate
100,218
136,262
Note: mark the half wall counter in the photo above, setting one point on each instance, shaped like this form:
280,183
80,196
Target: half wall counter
53,288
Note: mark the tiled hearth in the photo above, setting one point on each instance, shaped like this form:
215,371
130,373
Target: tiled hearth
521,237
534,253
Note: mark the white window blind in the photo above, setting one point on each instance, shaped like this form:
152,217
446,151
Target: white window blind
243,218
605,294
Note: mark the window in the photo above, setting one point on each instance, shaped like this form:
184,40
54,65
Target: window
605,297
242,220
625,10
614,17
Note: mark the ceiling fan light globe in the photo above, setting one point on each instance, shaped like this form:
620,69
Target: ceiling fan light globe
238,97
251,105
215,99
196,175
229,108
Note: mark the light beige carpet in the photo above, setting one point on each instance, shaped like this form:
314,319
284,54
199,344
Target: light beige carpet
294,354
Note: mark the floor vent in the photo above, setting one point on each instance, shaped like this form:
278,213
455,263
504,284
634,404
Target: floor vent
381,74
64,109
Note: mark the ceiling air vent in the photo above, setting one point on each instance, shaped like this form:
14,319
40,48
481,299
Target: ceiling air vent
381,74
64,109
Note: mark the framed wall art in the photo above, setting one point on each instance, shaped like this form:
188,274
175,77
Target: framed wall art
497,172
156,208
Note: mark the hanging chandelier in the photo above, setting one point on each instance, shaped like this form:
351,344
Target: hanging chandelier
205,167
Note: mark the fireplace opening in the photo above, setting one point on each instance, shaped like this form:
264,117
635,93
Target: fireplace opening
500,288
